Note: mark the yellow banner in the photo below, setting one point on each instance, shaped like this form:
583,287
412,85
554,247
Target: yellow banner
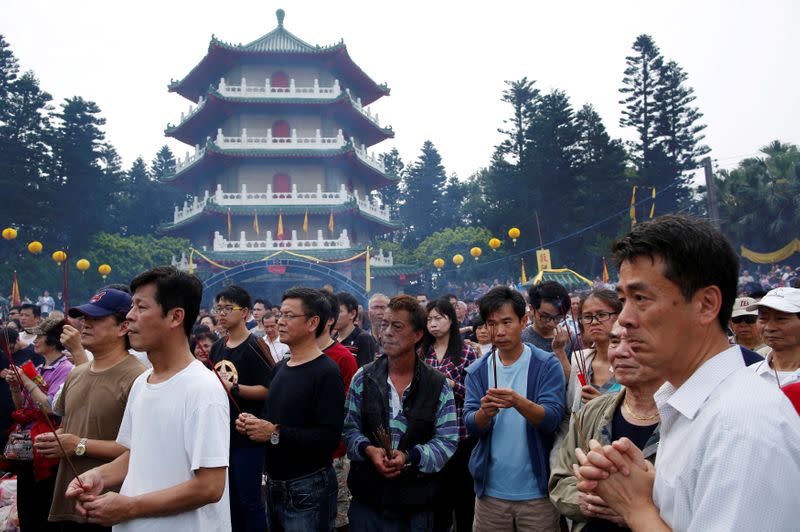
543,259
776,256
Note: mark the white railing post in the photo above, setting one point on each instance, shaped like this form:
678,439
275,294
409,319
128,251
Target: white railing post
220,137
244,191
291,86
242,239
337,90
218,194
269,189
269,136
294,190
244,84
175,216
267,87
244,137
318,138
294,136
319,191
320,238
340,138
316,86
222,87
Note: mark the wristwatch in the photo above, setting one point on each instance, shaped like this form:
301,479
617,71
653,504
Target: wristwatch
275,438
235,389
80,449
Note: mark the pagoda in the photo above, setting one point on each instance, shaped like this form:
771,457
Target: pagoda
281,133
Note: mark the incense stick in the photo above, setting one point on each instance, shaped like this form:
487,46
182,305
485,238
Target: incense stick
210,364
385,440
38,408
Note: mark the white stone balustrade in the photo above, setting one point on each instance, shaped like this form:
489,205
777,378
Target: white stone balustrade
270,244
244,141
368,158
180,164
244,197
182,264
265,90
318,197
190,209
363,110
381,259
379,211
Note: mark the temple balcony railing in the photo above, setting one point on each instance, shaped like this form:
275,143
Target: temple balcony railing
270,142
266,90
361,152
363,110
195,205
381,259
270,244
180,164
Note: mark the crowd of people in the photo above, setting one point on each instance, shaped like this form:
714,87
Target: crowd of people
668,403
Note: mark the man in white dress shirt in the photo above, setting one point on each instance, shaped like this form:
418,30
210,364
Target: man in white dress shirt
779,322
728,457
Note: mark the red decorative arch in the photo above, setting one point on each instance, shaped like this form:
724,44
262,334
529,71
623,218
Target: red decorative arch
281,183
280,129
279,79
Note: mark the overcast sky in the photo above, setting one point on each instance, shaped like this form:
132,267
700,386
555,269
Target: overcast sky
445,61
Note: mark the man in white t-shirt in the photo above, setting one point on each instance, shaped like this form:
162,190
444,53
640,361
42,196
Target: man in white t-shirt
174,476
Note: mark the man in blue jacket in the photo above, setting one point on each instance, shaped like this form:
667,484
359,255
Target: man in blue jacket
514,408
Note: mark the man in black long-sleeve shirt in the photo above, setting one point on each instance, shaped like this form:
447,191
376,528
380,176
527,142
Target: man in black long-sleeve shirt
302,420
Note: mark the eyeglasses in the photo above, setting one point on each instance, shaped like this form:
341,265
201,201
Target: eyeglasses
224,311
288,316
600,317
749,319
548,318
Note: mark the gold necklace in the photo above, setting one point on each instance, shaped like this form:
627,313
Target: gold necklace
635,415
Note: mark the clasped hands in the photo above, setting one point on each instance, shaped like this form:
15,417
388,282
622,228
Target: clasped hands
254,428
615,477
104,509
497,398
389,467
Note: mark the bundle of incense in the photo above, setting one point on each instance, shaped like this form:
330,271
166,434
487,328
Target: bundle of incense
384,438
580,360
38,408
494,363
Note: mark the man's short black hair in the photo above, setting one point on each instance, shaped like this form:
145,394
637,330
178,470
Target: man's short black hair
314,304
499,296
264,302
174,289
333,303
695,253
348,300
416,312
11,334
37,312
549,292
236,295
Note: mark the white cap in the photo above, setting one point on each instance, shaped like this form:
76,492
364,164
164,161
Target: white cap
783,299
741,307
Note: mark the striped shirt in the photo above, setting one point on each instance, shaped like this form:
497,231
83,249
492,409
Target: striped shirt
455,369
433,455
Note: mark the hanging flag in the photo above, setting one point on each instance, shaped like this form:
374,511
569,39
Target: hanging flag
653,207
605,271
256,227
16,300
330,224
524,276
368,281
305,223
633,206
280,225
230,225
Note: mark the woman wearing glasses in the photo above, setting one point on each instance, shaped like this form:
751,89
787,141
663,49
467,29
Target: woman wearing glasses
599,309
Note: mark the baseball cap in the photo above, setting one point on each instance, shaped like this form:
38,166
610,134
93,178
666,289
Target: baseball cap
741,307
44,326
103,303
783,299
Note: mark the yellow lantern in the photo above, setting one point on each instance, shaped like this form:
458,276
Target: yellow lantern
458,260
59,256
104,270
439,264
35,247
476,252
494,243
514,234
83,265
9,233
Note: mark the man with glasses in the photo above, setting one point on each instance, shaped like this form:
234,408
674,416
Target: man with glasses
549,305
238,359
302,421
743,325
269,322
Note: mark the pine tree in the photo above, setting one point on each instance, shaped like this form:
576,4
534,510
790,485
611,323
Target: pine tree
83,188
163,164
640,84
523,97
395,168
9,69
422,194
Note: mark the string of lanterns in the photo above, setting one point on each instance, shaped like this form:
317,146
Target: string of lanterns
59,257
476,252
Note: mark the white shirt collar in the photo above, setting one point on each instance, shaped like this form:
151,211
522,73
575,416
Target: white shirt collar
689,398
